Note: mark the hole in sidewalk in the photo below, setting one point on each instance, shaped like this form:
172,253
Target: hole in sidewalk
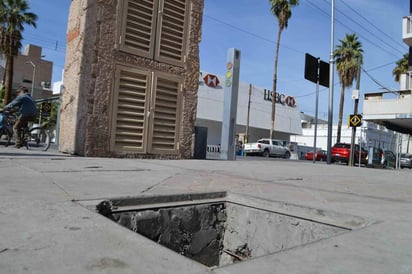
217,229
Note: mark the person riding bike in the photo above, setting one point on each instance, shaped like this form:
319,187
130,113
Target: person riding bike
27,109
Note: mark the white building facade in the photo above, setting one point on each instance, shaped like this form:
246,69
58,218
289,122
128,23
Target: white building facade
255,108
368,135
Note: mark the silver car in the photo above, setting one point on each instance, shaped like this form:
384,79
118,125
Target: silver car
406,161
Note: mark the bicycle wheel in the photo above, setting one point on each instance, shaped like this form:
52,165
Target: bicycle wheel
5,137
38,139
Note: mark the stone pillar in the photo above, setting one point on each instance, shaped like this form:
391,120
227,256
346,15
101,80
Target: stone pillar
92,55
76,79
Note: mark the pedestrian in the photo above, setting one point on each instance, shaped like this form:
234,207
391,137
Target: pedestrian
27,109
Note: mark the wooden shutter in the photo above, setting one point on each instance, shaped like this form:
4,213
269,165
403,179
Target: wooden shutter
131,102
172,31
165,118
138,27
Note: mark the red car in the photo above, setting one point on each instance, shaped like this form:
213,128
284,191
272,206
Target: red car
340,153
320,155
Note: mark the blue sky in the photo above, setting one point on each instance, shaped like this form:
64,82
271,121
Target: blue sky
50,32
249,26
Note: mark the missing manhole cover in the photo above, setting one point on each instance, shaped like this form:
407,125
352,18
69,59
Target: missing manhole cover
217,229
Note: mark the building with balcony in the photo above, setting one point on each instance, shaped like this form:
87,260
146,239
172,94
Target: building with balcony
253,111
393,109
407,30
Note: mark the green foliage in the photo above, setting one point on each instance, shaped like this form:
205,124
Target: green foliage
402,66
282,9
14,15
349,57
51,121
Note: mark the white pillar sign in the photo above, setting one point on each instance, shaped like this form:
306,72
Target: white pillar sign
228,143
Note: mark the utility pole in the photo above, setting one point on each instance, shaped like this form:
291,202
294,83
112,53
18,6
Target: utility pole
409,67
410,48
355,111
248,114
34,76
331,82
316,112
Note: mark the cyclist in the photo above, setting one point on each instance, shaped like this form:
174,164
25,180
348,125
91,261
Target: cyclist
28,112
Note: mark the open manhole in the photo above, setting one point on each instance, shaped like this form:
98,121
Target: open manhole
220,228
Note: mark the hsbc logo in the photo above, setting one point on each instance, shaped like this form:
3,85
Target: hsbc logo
211,80
290,101
280,98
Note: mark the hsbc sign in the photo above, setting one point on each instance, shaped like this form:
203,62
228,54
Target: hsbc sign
280,98
211,80
290,101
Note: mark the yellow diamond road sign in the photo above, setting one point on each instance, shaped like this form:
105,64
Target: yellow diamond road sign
46,109
355,120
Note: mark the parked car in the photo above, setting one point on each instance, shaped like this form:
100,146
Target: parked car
388,159
320,155
406,161
267,147
376,157
340,152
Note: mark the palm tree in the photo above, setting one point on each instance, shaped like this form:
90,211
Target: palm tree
402,67
349,59
282,9
13,15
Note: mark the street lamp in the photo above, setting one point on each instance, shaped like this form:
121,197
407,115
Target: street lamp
34,75
331,81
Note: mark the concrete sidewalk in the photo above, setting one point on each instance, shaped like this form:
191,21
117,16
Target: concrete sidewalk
43,231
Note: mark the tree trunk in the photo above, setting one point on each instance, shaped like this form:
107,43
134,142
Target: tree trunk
342,101
8,83
275,77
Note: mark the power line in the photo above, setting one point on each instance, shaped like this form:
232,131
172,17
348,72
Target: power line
251,33
382,66
376,81
270,41
364,28
370,23
24,38
367,73
327,14
49,45
366,39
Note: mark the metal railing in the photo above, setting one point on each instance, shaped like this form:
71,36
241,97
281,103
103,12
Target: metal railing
213,149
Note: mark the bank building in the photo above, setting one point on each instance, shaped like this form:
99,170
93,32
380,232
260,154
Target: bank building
254,108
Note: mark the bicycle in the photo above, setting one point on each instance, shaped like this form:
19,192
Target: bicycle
33,137
6,131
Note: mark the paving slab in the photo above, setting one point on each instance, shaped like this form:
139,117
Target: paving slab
44,229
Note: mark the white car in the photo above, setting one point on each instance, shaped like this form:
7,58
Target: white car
267,147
